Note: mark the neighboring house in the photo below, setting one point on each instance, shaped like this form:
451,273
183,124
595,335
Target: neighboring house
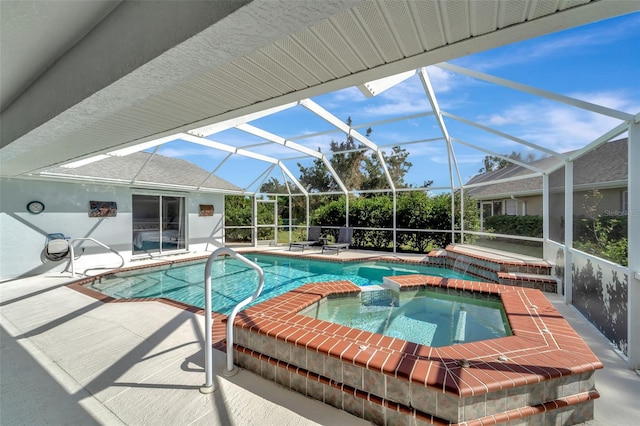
604,169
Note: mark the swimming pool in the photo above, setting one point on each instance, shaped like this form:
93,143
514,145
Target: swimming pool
233,281
378,377
423,317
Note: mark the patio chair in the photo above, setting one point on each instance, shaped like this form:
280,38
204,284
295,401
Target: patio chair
344,241
313,238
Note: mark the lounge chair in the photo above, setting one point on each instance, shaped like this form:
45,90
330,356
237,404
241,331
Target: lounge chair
313,238
344,241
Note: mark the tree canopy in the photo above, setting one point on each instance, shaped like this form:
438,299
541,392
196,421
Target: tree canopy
491,163
357,166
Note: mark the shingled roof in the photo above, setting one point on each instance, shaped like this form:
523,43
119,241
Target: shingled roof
605,166
158,169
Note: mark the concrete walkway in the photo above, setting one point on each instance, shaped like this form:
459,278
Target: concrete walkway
69,359
619,386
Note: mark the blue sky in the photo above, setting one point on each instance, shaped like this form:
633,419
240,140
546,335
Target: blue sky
598,63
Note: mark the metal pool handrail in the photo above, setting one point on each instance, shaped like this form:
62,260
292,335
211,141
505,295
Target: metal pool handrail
209,387
72,255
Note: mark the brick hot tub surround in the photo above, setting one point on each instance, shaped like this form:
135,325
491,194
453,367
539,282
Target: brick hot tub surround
542,374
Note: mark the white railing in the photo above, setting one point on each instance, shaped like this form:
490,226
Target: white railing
72,255
209,387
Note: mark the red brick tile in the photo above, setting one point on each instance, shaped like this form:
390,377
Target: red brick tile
406,366
377,360
392,363
317,342
337,347
349,355
421,371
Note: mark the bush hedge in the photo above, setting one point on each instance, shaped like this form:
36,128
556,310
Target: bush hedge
603,236
525,226
414,210
584,227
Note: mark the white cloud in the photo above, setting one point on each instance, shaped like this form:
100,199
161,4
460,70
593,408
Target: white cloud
519,114
407,106
460,159
408,97
405,98
442,80
617,100
557,126
340,98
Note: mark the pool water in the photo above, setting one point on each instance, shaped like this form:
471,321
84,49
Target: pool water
233,281
424,317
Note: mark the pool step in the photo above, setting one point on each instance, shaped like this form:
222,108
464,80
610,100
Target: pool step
372,287
497,267
122,287
546,283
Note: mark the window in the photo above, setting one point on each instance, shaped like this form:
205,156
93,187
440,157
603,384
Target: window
511,207
497,208
625,202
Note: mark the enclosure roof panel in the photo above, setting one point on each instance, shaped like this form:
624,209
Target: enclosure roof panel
128,72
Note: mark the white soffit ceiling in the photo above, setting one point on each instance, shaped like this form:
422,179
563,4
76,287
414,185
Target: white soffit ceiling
196,83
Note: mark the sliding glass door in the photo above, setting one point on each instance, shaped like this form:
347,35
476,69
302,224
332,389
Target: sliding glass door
158,223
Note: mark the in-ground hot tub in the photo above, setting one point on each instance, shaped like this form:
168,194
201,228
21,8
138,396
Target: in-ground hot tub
427,317
542,374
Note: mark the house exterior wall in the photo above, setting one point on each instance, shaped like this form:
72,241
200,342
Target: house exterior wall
533,205
23,235
610,205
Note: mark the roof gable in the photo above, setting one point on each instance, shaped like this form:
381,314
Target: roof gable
605,164
145,168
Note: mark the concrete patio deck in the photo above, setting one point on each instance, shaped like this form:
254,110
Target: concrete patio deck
69,359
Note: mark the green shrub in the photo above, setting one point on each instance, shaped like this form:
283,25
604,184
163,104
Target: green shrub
585,227
525,226
614,251
414,210
603,236
237,210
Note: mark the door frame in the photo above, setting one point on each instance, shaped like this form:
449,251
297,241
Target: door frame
161,220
